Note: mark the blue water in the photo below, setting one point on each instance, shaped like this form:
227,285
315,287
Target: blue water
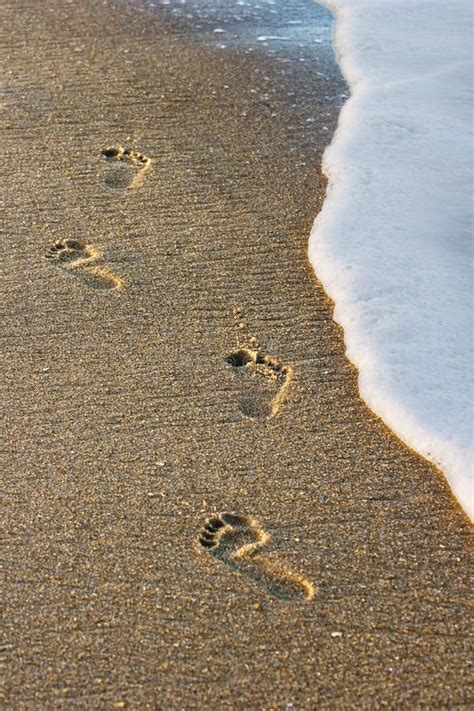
300,26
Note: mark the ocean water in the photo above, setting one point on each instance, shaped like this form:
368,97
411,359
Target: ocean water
393,244
252,25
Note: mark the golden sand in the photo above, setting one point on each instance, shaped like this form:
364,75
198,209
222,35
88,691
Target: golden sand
186,527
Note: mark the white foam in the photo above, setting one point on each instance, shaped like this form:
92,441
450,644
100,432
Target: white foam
393,243
270,38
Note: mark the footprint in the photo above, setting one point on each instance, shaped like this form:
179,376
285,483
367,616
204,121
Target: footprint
80,259
263,382
237,540
129,167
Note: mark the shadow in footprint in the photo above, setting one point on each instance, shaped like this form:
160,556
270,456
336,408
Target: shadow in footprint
238,540
263,382
128,168
80,259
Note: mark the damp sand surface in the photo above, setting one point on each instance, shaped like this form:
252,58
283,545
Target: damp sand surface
199,508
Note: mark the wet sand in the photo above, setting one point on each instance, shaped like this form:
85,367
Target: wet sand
178,358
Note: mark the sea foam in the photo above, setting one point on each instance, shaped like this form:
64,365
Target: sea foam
393,243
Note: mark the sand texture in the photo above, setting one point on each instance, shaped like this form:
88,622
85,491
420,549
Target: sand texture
199,510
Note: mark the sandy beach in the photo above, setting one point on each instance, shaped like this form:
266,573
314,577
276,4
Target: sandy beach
171,360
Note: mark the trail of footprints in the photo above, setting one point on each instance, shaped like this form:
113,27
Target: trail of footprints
83,260
235,539
239,542
263,382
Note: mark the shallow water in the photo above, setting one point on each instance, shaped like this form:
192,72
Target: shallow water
300,26
393,243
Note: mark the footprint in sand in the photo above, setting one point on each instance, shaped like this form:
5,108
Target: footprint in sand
263,382
81,260
238,540
128,167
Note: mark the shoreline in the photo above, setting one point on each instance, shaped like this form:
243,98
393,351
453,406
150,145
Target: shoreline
385,264
213,380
